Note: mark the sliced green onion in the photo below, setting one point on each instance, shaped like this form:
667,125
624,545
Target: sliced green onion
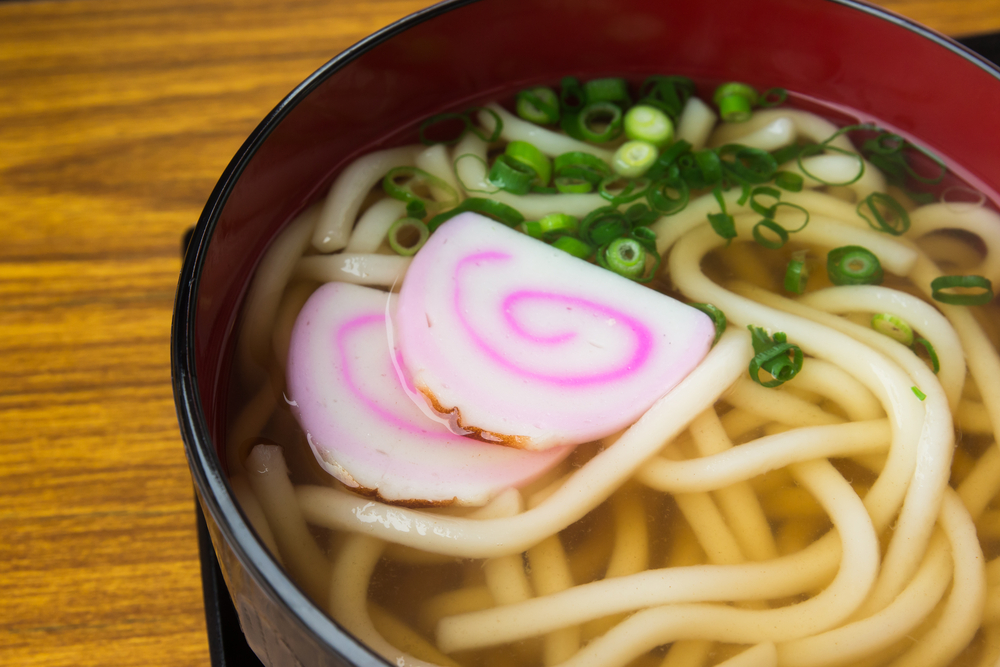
571,95
600,122
764,191
983,296
668,196
667,159
781,359
538,105
722,223
558,224
735,101
581,160
788,180
416,209
511,175
893,327
407,235
529,155
931,353
468,186
718,318
889,215
497,124
646,123
919,394
603,225
645,236
454,125
796,276
634,158
409,184
748,165
570,185
488,207
639,215
620,190
710,164
531,228
772,97
770,243
614,90
669,93
853,265
805,220
573,246
626,257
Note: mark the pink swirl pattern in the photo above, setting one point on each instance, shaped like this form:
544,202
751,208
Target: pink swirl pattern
641,334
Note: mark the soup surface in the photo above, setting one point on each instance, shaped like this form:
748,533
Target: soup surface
580,380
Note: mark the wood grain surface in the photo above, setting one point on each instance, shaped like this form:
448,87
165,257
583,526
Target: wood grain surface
116,119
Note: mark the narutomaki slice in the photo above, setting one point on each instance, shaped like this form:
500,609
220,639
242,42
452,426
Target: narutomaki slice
525,345
362,426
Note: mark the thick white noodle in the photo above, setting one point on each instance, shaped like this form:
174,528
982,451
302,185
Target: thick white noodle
585,489
348,193
268,477
807,126
836,168
977,220
695,123
832,382
373,224
884,379
779,132
436,161
470,165
769,452
923,317
963,610
547,141
738,502
859,565
360,269
851,642
933,456
264,295
779,406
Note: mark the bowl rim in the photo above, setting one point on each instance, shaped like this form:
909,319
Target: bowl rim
213,489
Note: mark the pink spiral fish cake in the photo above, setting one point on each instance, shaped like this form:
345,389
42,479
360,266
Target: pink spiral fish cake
529,347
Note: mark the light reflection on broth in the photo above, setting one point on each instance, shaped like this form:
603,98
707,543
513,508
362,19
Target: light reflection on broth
723,540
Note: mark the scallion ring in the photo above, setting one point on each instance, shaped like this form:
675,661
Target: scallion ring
796,276
748,165
889,215
772,97
718,318
573,246
603,225
770,243
931,353
894,327
788,180
669,195
538,105
452,125
619,190
558,224
764,191
529,155
488,207
624,256
853,265
646,123
600,122
710,165
511,175
735,101
612,89
781,359
407,235
497,124
410,184
816,149
978,298
634,158
805,213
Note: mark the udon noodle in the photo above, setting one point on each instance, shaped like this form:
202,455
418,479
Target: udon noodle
846,517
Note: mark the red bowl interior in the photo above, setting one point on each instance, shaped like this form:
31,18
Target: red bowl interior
905,78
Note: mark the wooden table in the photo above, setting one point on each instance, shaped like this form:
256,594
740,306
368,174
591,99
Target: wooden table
116,119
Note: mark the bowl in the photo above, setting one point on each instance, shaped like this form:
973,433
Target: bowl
847,55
